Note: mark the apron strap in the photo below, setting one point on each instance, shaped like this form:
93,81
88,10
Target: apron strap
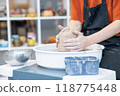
85,2
104,1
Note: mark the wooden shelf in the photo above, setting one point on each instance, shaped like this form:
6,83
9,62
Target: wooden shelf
3,49
24,18
3,18
24,47
53,17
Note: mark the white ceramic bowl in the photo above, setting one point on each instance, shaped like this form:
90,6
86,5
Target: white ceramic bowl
47,55
17,57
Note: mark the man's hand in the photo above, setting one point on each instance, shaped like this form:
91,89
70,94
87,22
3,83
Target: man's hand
75,44
57,39
60,27
74,26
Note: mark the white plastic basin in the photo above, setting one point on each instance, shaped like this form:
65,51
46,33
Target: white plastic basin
47,55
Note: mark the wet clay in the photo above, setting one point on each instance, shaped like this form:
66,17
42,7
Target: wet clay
67,33
63,36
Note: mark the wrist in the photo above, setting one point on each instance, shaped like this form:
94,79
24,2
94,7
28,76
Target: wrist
75,25
87,41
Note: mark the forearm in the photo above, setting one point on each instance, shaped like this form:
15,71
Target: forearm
75,25
107,32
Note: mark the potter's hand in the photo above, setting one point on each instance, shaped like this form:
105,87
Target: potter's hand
75,44
73,26
57,38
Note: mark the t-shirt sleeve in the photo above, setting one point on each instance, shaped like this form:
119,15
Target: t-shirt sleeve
75,11
116,10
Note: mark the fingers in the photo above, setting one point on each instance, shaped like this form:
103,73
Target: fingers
77,50
71,40
65,28
72,48
74,45
77,33
60,27
57,40
70,44
57,36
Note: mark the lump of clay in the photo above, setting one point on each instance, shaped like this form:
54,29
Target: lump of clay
66,34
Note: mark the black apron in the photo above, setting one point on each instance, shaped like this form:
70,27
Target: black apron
95,19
